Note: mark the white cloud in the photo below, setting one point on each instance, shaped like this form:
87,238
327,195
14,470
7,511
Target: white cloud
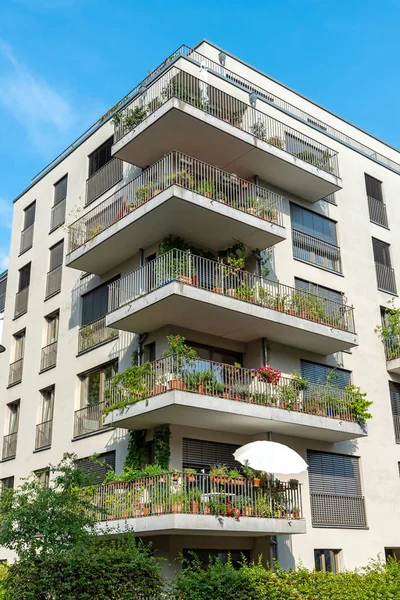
43,111
6,213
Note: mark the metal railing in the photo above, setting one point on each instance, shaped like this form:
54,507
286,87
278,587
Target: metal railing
337,510
218,69
21,302
377,212
57,215
392,347
94,334
215,276
315,251
88,419
103,179
43,434
10,445
53,282
187,172
233,383
396,425
179,84
15,371
385,278
199,494
26,239
49,356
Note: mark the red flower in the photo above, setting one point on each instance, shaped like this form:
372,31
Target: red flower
270,374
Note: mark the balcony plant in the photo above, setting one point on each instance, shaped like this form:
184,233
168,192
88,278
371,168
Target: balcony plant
245,292
190,475
249,473
182,358
300,382
179,502
276,141
182,178
389,330
218,473
194,496
206,188
133,116
359,404
136,384
235,477
262,506
288,396
94,230
259,130
154,104
245,505
269,374
240,391
177,89
145,192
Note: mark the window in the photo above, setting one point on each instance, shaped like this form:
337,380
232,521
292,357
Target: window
321,374
394,390
27,231
58,210
44,429
327,560
43,476
13,417
47,404
335,490
201,454
314,239
331,199
217,354
93,384
150,352
53,284
56,255
95,303
24,277
19,345
7,482
52,328
373,188
29,215
319,290
99,468
100,157
383,265
3,289
49,350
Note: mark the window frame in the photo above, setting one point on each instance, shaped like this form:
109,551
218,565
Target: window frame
84,383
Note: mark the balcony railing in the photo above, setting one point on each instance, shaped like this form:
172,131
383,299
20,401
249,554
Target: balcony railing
315,251
94,334
57,215
187,172
377,212
26,239
103,179
88,419
228,382
217,277
385,278
49,356
43,434
53,282
199,494
179,84
392,347
396,425
334,510
15,371
10,445
21,302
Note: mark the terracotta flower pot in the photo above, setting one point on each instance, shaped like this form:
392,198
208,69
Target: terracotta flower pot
191,477
256,482
217,290
195,507
200,388
231,292
184,279
146,511
247,511
159,389
296,515
177,507
175,476
177,384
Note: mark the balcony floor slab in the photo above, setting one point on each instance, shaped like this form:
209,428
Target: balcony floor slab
393,366
183,408
190,130
204,525
193,308
180,212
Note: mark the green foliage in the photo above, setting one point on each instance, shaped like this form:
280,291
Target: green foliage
389,332
206,188
3,575
358,403
252,581
134,116
113,569
35,518
161,448
176,89
136,454
135,382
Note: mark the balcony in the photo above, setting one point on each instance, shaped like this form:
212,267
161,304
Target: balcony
385,278
53,282
49,356
43,435
182,196
57,215
377,212
26,239
21,302
104,179
316,252
15,372
93,335
10,446
338,510
396,427
187,113
203,504
182,289
392,353
227,398
88,419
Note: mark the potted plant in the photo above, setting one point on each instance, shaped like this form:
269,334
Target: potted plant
94,230
146,509
276,141
293,484
269,374
175,474
235,477
194,500
246,506
259,130
206,188
218,473
296,512
179,502
181,178
190,475
182,357
133,116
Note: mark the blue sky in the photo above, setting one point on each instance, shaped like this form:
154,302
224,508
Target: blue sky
63,63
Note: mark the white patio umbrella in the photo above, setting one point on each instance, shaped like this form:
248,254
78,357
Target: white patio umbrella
271,457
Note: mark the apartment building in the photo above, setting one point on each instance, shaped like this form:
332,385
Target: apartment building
123,239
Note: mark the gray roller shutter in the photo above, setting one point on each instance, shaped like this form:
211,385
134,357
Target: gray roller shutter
56,255
381,252
98,470
29,215
394,389
60,190
201,454
318,374
318,290
310,223
373,187
95,303
335,474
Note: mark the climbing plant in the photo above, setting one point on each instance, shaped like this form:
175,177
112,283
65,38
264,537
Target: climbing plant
161,447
